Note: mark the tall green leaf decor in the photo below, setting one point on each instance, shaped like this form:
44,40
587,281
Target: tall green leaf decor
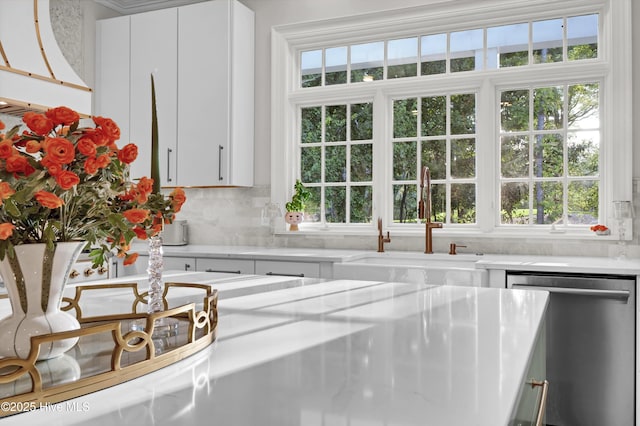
155,160
156,287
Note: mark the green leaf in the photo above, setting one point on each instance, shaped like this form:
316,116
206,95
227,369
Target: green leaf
155,160
11,207
118,221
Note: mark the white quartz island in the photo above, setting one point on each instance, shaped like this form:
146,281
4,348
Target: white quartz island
339,352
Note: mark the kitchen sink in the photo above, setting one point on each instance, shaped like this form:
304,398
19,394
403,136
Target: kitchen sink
438,269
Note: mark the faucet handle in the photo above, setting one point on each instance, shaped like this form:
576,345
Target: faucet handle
453,247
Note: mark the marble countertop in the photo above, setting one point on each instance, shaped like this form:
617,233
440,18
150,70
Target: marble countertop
295,351
577,264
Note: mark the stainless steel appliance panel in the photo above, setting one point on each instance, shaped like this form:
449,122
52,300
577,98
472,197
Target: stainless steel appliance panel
590,347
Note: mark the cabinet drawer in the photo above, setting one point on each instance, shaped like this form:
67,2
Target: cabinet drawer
297,269
232,266
179,263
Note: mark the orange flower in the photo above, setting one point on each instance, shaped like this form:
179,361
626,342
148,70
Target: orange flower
103,161
1,125
38,123
178,198
60,150
128,153
6,230
91,166
140,233
52,166
130,259
156,229
136,215
67,179
87,147
6,190
6,148
48,200
62,115
109,126
145,185
32,146
98,136
129,195
18,164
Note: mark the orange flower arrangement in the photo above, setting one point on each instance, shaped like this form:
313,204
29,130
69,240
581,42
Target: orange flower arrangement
60,182
600,229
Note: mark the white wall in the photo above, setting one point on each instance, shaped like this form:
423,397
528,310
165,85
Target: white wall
232,215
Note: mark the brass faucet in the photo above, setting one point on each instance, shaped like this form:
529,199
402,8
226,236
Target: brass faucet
381,238
424,209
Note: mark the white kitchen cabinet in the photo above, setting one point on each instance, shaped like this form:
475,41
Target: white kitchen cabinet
532,391
202,58
215,94
129,49
139,267
171,263
295,269
154,45
232,266
113,53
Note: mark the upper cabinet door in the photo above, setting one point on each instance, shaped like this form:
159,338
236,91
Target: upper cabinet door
154,44
112,73
202,59
215,94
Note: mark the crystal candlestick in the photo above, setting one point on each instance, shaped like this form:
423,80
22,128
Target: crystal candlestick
154,270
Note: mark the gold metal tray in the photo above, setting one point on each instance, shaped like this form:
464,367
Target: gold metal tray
117,341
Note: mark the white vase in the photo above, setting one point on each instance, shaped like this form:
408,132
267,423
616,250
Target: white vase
35,279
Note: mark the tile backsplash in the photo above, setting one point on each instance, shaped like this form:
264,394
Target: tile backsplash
233,216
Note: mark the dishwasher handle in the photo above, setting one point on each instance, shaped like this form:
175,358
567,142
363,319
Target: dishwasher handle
615,294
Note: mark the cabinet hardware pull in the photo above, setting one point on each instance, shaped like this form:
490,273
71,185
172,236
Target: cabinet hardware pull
169,151
220,148
624,294
223,271
544,384
285,275
186,266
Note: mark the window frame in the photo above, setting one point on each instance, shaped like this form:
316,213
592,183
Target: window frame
612,67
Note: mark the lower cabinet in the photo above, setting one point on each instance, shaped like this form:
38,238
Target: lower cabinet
533,392
139,267
170,263
230,266
179,263
294,269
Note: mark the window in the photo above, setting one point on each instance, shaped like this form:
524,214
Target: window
515,119
506,46
549,166
336,157
438,132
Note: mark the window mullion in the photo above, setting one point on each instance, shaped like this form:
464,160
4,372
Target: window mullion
487,157
382,160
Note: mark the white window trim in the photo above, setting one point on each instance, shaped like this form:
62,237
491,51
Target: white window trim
615,48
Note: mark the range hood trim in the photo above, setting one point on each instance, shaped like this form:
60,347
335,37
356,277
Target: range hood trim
32,90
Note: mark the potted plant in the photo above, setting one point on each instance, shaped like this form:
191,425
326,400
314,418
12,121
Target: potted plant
295,207
63,188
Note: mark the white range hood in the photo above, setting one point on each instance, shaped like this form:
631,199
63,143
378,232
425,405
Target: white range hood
34,75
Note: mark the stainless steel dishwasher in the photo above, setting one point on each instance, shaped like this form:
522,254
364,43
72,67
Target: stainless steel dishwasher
591,344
